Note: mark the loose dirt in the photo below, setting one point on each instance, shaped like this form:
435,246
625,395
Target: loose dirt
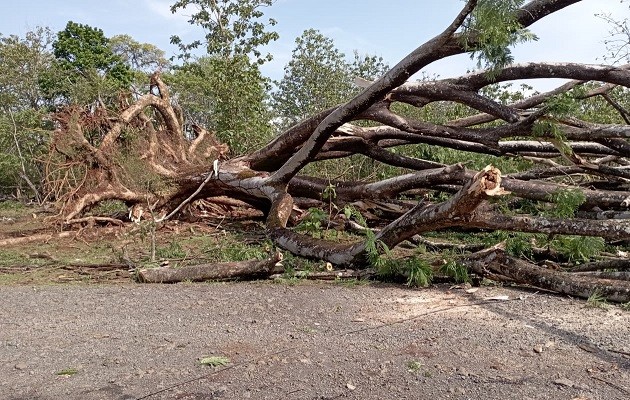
307,341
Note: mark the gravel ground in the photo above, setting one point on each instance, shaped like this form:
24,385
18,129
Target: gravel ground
307,341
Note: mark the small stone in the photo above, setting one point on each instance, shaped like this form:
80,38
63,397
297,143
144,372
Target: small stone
463,372
564,382
350,386
20,366
538,348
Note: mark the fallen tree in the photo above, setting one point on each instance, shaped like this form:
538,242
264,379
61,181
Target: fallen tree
575,171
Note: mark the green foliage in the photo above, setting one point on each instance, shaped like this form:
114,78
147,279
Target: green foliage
11,205
519,245
494,28
23,129
86,69
415,271
414,366
597,300
566,104
110,207
457,271
22,60
227,95
578,249
597,109
566,203
141,57
318,77
23,140
312,222
233,248
233,28
419,273
214,361
378,254
173,251
369,67
503,92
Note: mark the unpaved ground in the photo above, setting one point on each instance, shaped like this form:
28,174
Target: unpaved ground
307,341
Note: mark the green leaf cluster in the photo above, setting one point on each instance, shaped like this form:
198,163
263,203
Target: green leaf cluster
233,28
415,271
566,203
579,249
312,222
490,31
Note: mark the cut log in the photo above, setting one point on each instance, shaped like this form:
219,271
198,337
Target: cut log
216,271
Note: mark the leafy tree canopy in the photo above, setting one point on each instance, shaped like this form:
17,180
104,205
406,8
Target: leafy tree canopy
319,76
225,95
22,60
233,27
144,57
86,67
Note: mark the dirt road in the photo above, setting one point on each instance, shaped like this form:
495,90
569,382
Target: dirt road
306,341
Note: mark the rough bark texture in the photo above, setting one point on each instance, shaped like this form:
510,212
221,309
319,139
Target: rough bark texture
496,262
216,271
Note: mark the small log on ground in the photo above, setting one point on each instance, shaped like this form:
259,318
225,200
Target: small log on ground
496,261
216,271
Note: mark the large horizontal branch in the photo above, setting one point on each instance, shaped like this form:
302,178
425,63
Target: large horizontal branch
349,191
457,211
609,229
495,261
524,104
618,75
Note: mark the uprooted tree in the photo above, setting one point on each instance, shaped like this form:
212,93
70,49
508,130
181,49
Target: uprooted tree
573,175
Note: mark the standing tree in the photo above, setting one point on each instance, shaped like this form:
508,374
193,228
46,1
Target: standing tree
224,90
233,28
86,69
141,58
572,193
23,129
316,78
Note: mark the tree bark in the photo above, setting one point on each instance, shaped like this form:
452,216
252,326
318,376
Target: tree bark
216,271
495,261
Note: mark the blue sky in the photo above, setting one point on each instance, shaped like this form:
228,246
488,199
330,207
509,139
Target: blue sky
573,34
